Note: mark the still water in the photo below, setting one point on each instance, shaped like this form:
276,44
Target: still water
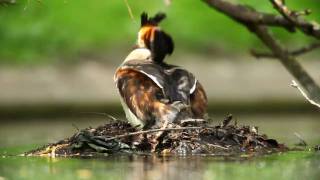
19,136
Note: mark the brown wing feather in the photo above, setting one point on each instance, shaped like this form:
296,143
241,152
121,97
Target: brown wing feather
199,102
142,96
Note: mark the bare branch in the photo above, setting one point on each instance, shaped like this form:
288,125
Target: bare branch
309,28
305,49
295,85
289,62
296,52
259,55
248,17
289,20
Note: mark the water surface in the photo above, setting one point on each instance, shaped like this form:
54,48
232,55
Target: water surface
19,136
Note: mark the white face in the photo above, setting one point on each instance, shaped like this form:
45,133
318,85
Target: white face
139,54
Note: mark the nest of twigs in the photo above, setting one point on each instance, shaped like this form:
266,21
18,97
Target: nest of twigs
189,138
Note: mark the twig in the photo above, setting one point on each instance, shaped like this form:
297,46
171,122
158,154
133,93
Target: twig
302,142
296,52
227,120
110,117
192,120
152,131
130,11
295,85
282,9
305,49
302,13
309,28
218,146
95,113
75,126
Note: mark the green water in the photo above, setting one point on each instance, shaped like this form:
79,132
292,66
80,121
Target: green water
19,136
292,165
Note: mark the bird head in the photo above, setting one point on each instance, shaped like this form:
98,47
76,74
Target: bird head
151,36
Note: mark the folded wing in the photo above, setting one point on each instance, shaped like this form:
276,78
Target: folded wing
142,100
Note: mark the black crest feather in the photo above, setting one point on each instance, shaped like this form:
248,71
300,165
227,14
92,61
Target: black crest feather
145,20
160,44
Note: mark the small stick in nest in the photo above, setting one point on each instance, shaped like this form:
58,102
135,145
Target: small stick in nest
227,120
302,142
151,131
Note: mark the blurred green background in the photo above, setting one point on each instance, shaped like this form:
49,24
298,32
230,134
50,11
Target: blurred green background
44,31
58,57
59,54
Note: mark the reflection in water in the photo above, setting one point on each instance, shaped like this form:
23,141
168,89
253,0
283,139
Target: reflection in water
134,167
292,165
152,167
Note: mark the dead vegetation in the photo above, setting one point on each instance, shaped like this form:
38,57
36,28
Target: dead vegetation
190,138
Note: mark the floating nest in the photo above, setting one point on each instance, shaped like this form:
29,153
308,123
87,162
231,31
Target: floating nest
188,138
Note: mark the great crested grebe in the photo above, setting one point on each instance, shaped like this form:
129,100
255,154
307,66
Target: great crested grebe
153,93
